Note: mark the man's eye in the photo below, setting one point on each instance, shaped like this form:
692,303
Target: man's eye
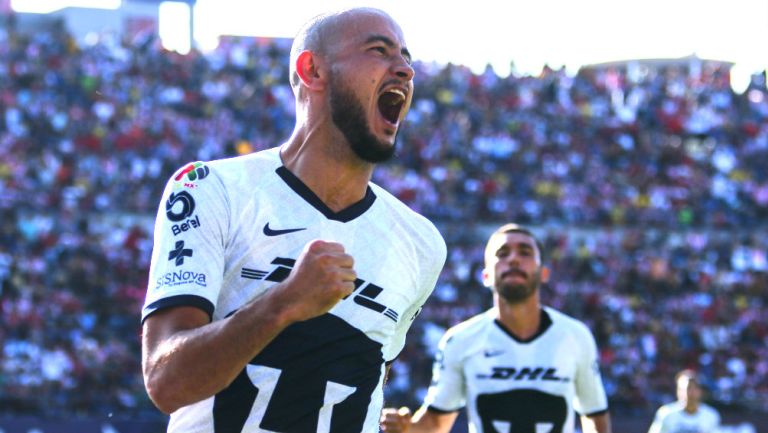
381,50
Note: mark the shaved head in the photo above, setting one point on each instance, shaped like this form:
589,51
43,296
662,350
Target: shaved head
353,65
320,33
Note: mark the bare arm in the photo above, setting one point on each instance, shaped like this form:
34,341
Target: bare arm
186,359
596,423
423,421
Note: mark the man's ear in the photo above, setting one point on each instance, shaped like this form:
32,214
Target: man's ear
307,68
487,279
544,274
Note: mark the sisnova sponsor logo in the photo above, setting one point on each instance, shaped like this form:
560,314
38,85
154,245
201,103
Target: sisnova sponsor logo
179,278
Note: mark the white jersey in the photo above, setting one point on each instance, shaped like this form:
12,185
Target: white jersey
672,418
228,230
514,386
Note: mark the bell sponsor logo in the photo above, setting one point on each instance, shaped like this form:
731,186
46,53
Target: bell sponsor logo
191,223
180,205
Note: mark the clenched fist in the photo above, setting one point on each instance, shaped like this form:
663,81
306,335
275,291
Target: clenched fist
322,276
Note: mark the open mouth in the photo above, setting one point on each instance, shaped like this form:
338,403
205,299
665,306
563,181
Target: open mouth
391,104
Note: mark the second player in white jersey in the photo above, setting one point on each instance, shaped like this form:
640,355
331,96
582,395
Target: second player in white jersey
520,367
512,385
689,414
673,418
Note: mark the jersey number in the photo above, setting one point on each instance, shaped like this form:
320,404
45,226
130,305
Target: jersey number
522,411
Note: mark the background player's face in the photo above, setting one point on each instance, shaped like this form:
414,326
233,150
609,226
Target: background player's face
371,86
513,266
688,390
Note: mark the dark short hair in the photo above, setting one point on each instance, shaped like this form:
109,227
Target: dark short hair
516,228
690,374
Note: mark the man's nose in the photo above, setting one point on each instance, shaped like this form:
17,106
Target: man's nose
403,69
513,258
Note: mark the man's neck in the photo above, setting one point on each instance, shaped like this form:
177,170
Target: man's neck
523,319
691,406
331,171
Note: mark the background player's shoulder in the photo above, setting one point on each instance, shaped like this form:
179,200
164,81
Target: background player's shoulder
469,329
463,340
710,411
664,410
565,321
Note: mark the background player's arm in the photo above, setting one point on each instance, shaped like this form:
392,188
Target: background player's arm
447,388
596,423
424,421
590,392
658,422
186,359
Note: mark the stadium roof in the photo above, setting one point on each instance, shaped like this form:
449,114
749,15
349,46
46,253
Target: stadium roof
658,63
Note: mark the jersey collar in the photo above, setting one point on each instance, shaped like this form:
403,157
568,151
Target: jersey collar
344,215
544,324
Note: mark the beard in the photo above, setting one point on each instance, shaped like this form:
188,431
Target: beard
349,116
515,293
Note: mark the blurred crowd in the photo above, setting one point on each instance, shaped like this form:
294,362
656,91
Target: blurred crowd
646,180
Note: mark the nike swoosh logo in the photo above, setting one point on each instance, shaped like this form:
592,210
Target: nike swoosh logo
271,232
492,353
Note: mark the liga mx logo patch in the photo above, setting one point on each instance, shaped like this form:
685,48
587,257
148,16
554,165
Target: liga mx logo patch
191,173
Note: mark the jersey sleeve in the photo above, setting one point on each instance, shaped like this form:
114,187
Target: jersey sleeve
590,393
447,392
427,281
714,419
189,240
658,421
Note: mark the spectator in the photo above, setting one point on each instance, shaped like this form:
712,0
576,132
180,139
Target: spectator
88,135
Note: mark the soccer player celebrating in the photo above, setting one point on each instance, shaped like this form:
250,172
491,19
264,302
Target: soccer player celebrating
688,413
283,282
518,368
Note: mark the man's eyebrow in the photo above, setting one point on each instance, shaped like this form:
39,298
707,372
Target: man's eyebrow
525,246
519,245
389,43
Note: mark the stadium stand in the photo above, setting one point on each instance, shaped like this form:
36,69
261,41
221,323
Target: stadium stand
648,182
